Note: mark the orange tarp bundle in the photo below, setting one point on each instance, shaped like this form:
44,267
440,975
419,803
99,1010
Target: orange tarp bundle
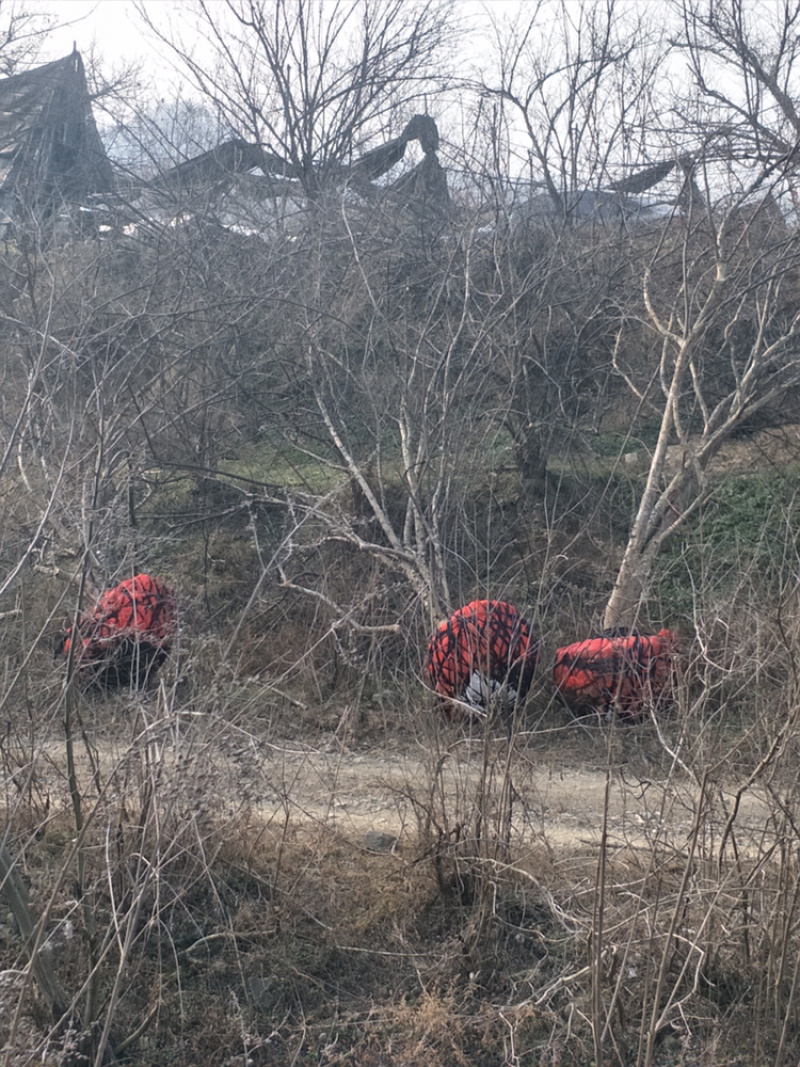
622,673
128,633
483,647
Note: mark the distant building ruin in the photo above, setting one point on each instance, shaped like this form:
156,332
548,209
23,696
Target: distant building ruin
54,168
50,150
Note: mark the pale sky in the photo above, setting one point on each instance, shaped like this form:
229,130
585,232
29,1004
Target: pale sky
111,24
115,29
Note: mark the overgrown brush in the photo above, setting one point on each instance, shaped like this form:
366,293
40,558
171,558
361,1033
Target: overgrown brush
231,918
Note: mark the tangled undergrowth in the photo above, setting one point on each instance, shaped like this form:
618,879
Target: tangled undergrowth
225,901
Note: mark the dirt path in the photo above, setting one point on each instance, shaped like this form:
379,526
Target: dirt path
558,804
559,795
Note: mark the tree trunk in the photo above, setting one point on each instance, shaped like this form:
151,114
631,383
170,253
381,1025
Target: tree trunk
653,519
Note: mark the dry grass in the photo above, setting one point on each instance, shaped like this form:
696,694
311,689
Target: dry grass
238,914
599,895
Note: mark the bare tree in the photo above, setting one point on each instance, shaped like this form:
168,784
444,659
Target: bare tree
743,60
718,289
574,83
23,33
313,82
573,90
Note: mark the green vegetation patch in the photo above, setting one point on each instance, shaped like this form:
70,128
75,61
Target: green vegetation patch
748,533
278,461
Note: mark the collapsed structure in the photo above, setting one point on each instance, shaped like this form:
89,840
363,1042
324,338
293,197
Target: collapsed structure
53,164
51,153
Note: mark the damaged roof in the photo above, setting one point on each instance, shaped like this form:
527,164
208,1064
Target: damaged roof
52,155
50,150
